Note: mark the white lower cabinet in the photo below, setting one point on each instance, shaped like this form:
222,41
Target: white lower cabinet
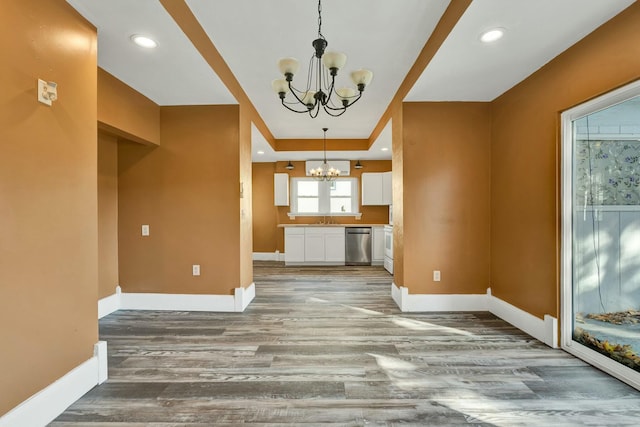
334,245
377,245
294,245
314,245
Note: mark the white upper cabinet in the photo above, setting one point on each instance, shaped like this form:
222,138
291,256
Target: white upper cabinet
281,189
387,189
376,188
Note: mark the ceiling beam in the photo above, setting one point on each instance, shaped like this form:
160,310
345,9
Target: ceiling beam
188,23
445,25
183,16
338,144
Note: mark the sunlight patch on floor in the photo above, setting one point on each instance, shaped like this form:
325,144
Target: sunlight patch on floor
418,325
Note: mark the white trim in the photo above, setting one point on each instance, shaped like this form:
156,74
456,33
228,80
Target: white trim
602,362
189,302
268,256
243,296
108,305
437,302
324,197
44,406
356,215
100,353
543,330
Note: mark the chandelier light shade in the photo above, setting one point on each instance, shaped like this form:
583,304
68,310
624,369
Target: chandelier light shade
320,90
325,172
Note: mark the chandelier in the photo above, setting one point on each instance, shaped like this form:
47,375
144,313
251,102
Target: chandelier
320,89
325,172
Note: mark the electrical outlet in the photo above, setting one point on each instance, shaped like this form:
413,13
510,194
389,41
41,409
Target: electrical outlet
145,230
196,269
436,275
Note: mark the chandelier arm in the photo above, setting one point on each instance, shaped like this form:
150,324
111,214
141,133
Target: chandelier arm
344,108
330,110
330,90
291,109
291,89
310,73
315,108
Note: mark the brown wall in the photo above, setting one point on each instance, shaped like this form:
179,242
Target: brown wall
268,237
48,232
446,158
266,234
187,190
245,198
397,147
126,113
525,205
107,214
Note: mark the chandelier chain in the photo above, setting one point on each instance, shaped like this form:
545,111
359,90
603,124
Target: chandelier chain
320,19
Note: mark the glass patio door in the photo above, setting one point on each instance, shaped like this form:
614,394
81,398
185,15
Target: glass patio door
601,233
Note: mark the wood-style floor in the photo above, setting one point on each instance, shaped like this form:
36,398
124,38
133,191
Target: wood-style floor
327,346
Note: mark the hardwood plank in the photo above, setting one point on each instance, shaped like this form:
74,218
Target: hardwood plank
328,346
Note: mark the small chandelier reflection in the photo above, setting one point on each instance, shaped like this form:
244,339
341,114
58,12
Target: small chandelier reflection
325,172
323,69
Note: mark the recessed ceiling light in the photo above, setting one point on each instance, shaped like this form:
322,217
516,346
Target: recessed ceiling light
144,41
260,152
492,35
384,149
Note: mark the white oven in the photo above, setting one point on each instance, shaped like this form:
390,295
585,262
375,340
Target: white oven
388,248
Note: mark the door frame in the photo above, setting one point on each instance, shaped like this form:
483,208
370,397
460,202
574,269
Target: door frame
590,356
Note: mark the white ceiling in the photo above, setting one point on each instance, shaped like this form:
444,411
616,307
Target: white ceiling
383,35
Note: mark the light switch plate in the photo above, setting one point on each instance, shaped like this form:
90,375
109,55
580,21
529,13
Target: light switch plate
196,269
436,275
145,230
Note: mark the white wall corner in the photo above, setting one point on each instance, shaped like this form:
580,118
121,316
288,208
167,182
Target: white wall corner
100,353
398,294
244,296
551,331
44,406
108,305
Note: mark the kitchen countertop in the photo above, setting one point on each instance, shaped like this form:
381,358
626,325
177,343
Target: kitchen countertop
330,225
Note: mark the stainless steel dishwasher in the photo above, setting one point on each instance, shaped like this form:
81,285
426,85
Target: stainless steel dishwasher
357,245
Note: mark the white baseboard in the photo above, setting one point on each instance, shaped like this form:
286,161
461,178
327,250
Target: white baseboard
237,302
109,304
268,256
44,406
189,302
437,302
543,330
